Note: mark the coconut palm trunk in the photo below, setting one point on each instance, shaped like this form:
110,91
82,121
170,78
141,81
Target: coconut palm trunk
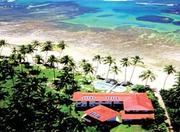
107,75
125,74
60,53
146,82
114,76
97,67
32,58
125,63
25,56
1,50
165,81
169,69
46,56
132,73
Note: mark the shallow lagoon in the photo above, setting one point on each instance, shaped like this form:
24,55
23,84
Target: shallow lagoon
93,13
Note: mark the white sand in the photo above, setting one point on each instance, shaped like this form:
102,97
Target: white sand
86,44
79,53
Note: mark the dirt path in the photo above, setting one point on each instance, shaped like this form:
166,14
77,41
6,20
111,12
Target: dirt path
161,102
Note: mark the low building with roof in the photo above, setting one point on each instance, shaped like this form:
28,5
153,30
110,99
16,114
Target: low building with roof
114,107
102,114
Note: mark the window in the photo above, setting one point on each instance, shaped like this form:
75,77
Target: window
94,114
81,104
93,103
115,98
88,97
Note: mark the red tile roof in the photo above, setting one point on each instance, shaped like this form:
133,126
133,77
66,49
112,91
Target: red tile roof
80,96
131,101
125,116
139,102
101,113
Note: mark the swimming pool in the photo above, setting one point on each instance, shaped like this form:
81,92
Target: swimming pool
119,89
102,85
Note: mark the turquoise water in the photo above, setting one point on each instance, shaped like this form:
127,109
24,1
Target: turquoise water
108,14
102,85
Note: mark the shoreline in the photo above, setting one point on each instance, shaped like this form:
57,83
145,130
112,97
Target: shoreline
86,44
151,45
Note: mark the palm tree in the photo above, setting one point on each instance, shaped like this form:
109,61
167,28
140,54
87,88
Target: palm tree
97,59
30,49
2,44
13,59
52,60
146,75
62,46
83,62
38,59
66,60
35,45
6,70
108,60
177,83
125,63
169,69
174,94
72,65
23,51
20,58
14,51
12,74
47,47
87,68
115,70
135,61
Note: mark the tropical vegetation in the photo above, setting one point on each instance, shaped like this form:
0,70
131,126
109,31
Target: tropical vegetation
172,100
36,95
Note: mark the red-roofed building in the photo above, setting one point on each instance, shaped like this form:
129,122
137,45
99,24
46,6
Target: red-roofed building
132,106
102,113
135,116
140,102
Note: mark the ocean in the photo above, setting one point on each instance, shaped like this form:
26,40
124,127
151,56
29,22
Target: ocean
158,15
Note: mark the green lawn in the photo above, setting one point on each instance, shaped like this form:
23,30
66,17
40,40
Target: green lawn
48,72
126,128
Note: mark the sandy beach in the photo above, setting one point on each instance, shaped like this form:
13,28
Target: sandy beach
156,49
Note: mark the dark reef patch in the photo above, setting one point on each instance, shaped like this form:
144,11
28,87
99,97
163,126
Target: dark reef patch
173,10
106,15
176,23
154,18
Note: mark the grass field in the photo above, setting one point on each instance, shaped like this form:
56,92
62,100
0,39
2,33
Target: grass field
126,128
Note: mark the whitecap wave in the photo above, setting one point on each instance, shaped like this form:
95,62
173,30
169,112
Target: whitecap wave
11,0
7,1
37,6
157,4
